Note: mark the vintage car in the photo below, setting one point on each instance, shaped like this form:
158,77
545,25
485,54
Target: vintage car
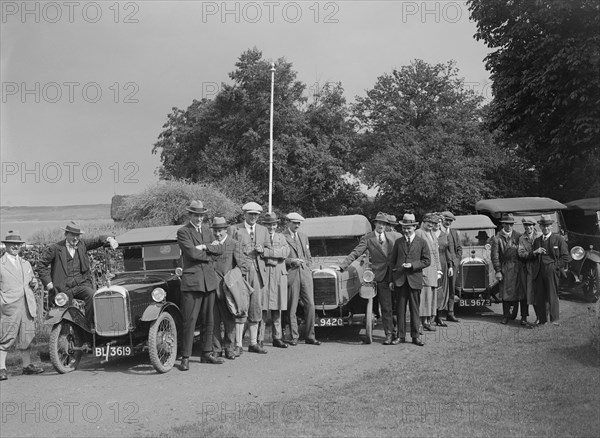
475,279
339,296
138,310
582,219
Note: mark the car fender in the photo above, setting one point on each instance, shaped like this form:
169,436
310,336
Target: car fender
72,314
153,310
593,256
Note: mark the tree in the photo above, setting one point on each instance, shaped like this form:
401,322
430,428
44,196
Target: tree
225,141
546,85
423,144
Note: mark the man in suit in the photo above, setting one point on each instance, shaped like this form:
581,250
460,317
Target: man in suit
252,236
407,260
199,282
455,251
300,283
65,266
230,258
17,305
552,255
379,243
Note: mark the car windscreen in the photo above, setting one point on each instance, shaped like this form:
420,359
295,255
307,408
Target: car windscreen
333,247
151,257
478,237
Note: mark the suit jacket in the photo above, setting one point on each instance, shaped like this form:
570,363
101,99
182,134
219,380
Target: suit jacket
14,283
261,236
299,249
558,255
231,257
53,263
198,274
378,257
454,248
430,273
417,254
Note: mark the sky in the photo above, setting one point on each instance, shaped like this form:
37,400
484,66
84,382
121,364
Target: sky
87,86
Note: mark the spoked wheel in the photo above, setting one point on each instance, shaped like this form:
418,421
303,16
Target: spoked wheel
162,343
65,346
369,322
591,281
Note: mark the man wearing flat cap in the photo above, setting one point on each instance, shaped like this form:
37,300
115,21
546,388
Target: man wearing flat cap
65,266
379,243
17,305
300,283
527,258
454,257
199,282
252,237
551,257
505,259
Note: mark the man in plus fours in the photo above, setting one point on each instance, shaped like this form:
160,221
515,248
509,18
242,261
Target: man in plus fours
65,266
199,282
552,255
408,258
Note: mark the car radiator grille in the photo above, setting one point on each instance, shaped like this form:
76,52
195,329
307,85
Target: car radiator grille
111,314
325,291
474,277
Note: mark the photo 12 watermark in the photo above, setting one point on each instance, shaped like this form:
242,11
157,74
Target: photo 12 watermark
434,11
271,12
73,172
68,412
70,91
291,412
474,412
70,12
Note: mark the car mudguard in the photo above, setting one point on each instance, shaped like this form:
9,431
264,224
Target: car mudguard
593,256
155,309
57,314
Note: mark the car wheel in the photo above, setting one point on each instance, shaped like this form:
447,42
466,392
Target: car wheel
65,346
591,281
162,343
369,321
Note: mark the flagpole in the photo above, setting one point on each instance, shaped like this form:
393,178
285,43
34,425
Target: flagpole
271,140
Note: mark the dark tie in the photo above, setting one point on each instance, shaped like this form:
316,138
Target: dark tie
381,238
252,234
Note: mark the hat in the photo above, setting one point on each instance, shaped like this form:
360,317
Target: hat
482,235
252,207
430,217
408,219
219,223
546,219
527,221
196,207
13,237
382,217
270,218
73,227
392,219
448,215
507,218
294,217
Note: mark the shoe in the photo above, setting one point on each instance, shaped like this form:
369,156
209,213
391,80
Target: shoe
388,340
439,322
556,323
504,321
312,342
230,354
185,364
523,322
256,349
293,342
3,374
279,343
238,351
211,358
397,341
418,342
261,344
429,328
451,318
32,369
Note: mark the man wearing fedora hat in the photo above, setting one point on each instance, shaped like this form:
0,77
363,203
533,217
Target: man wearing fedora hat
379,243
527,257
551,257
252,236
17,305
407,260
505,259
199,283
65,266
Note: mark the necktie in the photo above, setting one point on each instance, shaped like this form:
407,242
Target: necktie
381,238
252,234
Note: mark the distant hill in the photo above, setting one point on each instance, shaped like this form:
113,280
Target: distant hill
51,213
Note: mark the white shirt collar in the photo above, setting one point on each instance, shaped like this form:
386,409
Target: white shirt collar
12,258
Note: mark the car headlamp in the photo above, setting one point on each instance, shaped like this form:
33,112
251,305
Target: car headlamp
368,276
577,253
61,299
159,294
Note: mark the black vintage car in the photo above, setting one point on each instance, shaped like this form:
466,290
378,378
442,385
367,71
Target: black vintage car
138,310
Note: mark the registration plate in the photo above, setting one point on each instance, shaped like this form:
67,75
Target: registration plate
329,322
472,302
113,351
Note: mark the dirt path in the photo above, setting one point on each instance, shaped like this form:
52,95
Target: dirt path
126,397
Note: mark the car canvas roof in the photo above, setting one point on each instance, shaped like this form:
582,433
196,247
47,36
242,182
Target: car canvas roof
336,226
589,205
167,233
472,222
512,205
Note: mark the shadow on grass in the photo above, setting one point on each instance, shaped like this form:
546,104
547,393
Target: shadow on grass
586,355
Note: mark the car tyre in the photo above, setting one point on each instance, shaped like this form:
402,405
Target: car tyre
162,343
591,281
369,322
64,338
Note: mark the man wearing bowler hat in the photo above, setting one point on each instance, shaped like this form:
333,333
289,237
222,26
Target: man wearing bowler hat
199,283
17,305
65,266
552,256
